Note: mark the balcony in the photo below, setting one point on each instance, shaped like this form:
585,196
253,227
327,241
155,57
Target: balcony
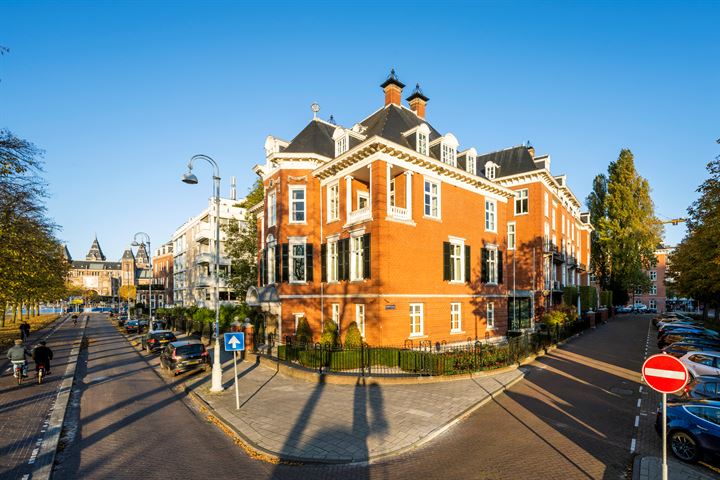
361,215
209,281
557,286
399,213
582,267
572,263
549,247
558,257
204,257
204,233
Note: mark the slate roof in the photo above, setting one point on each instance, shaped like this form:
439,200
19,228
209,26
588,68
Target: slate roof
142,256
390,123
128,255
316,137
66,254
94,265
511,161
95,253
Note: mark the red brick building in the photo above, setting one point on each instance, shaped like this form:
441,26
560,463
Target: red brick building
656,295
388,224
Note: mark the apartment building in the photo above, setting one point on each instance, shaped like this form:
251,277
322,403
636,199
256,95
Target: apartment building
388,223
162,268
656,296
193,250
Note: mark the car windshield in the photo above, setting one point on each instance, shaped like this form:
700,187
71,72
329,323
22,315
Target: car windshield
193,349
165,335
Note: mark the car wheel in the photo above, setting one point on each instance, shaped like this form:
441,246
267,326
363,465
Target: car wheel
684,446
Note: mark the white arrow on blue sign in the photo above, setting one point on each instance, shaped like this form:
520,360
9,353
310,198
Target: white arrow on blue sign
234,342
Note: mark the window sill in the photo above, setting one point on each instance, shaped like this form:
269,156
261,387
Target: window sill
457,332
457,282
297,223
434,219
400,220
521,214
303,282
332,221
417,335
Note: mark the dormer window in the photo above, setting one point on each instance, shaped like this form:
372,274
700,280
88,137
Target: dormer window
423,138
490,170
471,161
448,150
341,141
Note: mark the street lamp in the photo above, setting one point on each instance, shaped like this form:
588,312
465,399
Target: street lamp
145,239
191,179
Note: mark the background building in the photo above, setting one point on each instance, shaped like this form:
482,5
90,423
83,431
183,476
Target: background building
657,294
193,250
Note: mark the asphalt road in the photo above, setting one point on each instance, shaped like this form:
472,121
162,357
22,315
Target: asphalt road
572,417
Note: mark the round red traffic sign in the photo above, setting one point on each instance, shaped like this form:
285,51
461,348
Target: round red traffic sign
664,373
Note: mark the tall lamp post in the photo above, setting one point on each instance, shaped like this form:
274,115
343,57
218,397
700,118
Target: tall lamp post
191,179
145,239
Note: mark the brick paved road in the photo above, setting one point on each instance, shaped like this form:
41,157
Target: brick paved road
25,408
571,418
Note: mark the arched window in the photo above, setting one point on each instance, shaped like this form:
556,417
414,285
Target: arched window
423,138
340,137
448,150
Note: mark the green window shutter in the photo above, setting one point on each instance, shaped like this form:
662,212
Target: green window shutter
277,263
308,262
366,255
485,269
344,259
467,263
285,263
446,261
500,266
323,262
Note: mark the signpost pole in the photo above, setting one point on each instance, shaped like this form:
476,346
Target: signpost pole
664,438
237,392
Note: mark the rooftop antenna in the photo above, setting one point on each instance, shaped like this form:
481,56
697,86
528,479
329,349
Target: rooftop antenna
233,189
315,107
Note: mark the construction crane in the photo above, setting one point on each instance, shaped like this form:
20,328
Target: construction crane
675,221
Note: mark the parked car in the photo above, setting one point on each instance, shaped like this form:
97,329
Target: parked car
694,337
184,355
677,323
639,308
157,339
693,429
122,319
679,349
132,326
624,309
704,386
702,363
651,310
158,325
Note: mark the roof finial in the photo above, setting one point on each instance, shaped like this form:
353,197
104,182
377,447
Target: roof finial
332,120
315,107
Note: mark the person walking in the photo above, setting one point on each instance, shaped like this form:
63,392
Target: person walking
24,330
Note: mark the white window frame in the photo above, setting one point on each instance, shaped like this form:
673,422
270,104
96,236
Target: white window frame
471,164
490,315
332,261
546,205
392,192
417,320
333,200
335,313
427,205
554,224
653,289
493,265
356,258
363,195
293,258
272,208
422,141
360,317
297,316
457,260
292,203
455,317
490,170
520,195
511,235
652,303
653,275
490,215
341,145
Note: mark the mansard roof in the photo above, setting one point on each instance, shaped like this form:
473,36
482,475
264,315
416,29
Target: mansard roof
94,265
95,254
392,121
142,255
316,137
511,161
128,255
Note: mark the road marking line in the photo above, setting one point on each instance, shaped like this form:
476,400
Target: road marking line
638,404
656,372
637,420
632,446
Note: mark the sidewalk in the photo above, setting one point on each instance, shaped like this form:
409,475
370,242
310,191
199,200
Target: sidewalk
288,419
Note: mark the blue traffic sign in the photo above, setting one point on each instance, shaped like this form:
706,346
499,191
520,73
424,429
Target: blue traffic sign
234,342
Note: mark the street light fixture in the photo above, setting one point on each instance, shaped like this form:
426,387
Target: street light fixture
145,239
191,179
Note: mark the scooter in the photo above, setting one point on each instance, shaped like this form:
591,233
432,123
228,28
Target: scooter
41,372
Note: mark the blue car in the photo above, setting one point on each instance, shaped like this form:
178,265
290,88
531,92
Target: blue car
693,429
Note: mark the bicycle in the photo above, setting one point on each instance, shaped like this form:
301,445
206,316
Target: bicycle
41,369
19,370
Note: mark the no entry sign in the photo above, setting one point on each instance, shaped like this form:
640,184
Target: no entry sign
664,373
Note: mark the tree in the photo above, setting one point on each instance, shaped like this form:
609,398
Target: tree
241,245
694,265
127,292
626,229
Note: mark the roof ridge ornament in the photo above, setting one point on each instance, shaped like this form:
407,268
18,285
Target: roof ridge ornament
417,93
392,79
315,107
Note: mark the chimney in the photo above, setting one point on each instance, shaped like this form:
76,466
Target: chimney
393,89
530,149
233,189
418,101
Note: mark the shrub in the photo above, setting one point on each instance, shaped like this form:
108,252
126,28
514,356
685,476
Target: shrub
330,334
353,339
570,296
556,317
387,357
304,333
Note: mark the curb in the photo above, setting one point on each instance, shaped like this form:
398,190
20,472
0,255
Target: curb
49,445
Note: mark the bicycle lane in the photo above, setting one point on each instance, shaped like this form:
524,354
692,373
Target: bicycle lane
26,409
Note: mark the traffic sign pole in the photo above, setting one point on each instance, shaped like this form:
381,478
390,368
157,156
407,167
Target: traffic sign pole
664,439
237,391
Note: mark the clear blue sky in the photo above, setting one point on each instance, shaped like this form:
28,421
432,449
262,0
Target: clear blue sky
121,94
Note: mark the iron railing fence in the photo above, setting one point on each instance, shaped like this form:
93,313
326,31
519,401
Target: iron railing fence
422,358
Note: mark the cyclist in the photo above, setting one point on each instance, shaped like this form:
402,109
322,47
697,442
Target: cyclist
74,320
18,354
42,355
